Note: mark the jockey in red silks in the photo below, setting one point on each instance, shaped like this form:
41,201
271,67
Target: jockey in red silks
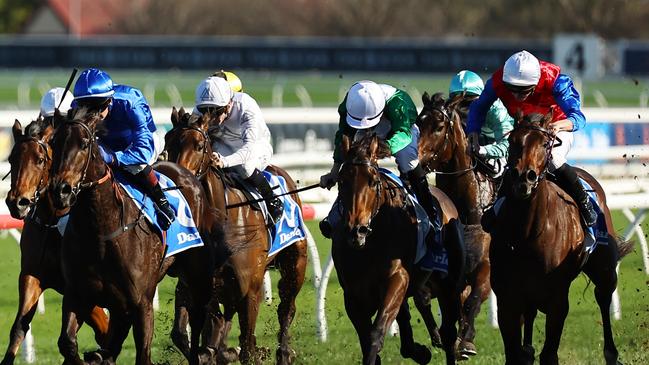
528,85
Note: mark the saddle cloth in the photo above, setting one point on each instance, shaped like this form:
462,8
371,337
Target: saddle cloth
290,227
426,258
183,234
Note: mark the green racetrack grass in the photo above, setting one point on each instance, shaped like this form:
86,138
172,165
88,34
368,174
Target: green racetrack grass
581,342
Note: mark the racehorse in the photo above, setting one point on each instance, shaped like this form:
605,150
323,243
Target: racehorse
241,278
121,257
443,150
40,241
537,248
374,253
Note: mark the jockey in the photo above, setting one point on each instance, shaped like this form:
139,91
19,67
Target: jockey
232,79
493,143
129,143
391,114
239,135
51,100
531,86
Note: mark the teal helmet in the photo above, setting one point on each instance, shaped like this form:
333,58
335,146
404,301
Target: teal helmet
466,81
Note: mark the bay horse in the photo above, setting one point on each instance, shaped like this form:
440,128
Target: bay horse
40,241
121,257
374,253
443,150
240,280
537,248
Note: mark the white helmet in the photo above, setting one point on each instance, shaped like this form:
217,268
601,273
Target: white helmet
51,100
522,69
365,104
213,91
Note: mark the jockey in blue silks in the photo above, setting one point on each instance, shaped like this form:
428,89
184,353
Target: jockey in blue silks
128,144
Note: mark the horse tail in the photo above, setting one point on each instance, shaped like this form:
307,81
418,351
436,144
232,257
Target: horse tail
623,247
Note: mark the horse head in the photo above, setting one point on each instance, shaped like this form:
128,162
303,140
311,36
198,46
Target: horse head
75,156
187,143
360,186
30,160
530,146
440,131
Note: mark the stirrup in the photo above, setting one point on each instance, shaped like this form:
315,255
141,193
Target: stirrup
275,209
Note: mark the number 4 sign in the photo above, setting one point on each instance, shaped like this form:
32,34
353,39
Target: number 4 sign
579,55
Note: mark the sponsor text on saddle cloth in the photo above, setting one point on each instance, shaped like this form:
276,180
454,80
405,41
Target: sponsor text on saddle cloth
595,235
182,234
290,227
425,258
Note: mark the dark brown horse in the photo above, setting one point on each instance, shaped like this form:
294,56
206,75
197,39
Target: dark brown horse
537,248
443,150
121,258
40,241
241,278
374,253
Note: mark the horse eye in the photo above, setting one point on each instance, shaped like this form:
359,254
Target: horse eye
41,161
200,146
440,128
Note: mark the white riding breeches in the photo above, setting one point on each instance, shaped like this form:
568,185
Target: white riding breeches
258,157
560,153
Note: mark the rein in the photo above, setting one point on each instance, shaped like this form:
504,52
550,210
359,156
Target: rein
549,145
449,125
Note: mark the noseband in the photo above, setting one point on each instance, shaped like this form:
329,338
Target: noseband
39,188
548,145
379,186
91,155
200,173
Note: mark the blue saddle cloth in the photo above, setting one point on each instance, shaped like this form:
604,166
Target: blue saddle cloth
290,227
597,234
183,234
426,257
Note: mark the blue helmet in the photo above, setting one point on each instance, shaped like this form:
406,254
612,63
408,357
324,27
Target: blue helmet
465,81
93,83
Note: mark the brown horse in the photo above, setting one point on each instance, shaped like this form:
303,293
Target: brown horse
121,258
537,248
40,241
443,150
374,253
241,278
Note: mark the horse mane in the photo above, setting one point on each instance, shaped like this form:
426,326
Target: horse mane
37,127
533,119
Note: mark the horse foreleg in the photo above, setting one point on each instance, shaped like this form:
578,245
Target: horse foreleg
479,293
248,311
143,332
361,318
292,266
29,289
449,303
426,311
67,342
179,335
395,292
98,320
409,348
528,334
554,321
509,323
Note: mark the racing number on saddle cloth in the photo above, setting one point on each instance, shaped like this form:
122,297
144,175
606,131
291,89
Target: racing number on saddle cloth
181,213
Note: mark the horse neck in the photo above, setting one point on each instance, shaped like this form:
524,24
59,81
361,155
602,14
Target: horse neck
461,187
100,199
214,189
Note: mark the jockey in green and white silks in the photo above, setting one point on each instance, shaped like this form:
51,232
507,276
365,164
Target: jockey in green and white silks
493,143
389,112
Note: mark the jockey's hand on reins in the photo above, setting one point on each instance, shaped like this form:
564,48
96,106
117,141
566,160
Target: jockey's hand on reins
216,160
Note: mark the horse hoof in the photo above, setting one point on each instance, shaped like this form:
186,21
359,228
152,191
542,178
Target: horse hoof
206,356
467,348
436,339
98,357
285,356
419,354
228,355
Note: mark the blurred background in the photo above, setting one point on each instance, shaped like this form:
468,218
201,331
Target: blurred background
297,58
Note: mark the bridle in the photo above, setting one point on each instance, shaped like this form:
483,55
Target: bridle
91,156
448,123
548,145
40,188
206,139
378,189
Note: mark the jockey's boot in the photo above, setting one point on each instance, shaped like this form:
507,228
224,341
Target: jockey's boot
325,228
149,181
569,181
419,184
273,203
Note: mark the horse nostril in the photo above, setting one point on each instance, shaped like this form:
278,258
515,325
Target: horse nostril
364,230
23,202
65,189
531,176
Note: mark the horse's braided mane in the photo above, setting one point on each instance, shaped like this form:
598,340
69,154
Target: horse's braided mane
37,127
85,115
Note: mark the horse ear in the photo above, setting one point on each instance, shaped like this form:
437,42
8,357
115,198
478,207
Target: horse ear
174,116
547,119
204,122
425,98
518,117
374,147
345,145
17,130
182,111
59,118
